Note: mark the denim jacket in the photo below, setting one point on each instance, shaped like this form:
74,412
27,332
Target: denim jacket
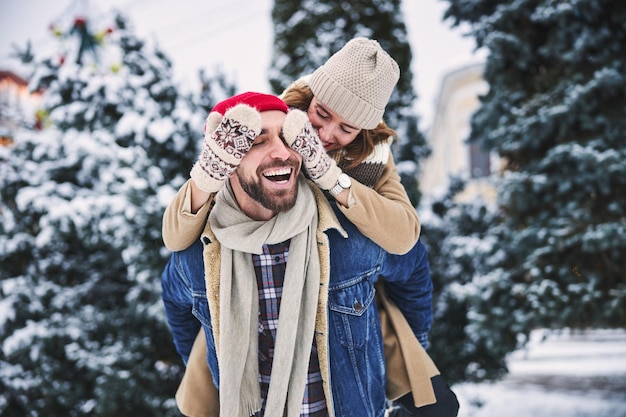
348,332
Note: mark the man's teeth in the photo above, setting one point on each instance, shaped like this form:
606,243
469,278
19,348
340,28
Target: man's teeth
281,171
279,174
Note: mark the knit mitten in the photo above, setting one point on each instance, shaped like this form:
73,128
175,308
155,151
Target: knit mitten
302,137
227,139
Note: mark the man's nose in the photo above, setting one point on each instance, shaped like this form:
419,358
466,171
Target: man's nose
279,149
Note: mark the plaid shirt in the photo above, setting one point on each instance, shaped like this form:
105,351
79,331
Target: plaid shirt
269,268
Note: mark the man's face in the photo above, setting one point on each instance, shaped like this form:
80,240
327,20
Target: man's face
266,180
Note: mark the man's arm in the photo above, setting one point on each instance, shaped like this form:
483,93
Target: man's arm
178,302
409,284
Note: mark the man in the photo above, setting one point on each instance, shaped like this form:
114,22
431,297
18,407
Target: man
304,337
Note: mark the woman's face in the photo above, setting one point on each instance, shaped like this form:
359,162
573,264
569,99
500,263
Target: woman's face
334,131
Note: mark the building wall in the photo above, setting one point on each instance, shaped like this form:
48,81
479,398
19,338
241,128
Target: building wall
456,103
17,104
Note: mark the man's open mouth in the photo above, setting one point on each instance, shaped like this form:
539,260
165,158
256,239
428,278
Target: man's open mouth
278,174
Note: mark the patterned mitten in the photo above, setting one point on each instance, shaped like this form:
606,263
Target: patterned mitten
227,139
302,137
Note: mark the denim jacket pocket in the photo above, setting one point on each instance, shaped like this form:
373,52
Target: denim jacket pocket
350,305
200,308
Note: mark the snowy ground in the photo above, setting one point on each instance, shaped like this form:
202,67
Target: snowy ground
580,374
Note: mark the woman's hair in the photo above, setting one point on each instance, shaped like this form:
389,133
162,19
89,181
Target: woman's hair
299,96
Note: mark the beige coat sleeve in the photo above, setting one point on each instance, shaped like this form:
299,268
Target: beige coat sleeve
180,226
384,213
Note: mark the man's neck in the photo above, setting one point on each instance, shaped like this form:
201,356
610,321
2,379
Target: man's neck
254,210
248,206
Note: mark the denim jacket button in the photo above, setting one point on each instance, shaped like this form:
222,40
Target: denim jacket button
357,305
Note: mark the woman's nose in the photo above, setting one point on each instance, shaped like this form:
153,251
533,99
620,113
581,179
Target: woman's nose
325,133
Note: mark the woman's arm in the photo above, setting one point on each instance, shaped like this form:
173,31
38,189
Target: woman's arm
185,217
384,213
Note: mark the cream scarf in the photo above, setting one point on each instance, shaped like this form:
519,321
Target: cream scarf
237,344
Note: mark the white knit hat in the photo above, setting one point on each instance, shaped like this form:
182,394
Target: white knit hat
357,82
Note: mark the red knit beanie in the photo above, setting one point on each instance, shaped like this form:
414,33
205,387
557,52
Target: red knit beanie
261,102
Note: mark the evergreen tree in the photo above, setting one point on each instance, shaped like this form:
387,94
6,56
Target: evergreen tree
472,332
409,154
555,114
307,33
81,253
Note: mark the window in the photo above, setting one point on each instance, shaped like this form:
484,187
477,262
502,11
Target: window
479,161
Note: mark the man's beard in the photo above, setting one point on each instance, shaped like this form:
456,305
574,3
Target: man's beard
284,200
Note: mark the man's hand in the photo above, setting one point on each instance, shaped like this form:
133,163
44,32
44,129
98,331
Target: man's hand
302,137
227,139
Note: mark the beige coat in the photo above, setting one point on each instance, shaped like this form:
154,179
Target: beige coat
409,367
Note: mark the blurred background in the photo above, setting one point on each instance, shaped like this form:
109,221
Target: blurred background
212,35
512,147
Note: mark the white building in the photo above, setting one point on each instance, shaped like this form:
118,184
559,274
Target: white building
16,102
451,154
